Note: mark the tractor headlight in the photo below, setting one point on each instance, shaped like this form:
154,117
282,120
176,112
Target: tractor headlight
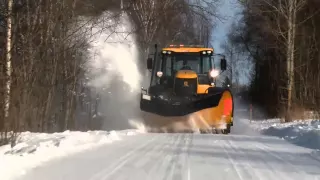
214,73
166,52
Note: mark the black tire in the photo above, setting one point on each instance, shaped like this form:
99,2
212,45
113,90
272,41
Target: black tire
228,130
203,131
206,131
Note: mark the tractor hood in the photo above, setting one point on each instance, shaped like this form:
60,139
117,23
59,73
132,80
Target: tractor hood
185,83
186,74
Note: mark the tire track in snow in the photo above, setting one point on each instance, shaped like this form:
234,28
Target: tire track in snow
224,145
115,166
166,160
144,157
296,171
308,155
252,170
169,163
273,173
148,153
265,164
71,166
159,158
188,174
175,160
182,159
131,156
182,166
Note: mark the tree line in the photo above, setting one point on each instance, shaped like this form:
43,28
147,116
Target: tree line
43,51
281,40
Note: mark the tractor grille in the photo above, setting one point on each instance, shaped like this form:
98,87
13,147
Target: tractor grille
185,87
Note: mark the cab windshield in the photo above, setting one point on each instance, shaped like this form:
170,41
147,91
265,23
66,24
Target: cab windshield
185,61
169,64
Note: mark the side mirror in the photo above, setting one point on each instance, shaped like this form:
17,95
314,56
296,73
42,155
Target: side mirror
223,64
149,63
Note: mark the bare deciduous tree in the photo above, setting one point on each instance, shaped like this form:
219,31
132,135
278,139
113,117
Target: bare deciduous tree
275,34
46,51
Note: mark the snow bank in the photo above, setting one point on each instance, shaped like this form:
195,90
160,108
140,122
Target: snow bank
316,154
33,149
304,133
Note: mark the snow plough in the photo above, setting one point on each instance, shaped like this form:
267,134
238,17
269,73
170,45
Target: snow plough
183,95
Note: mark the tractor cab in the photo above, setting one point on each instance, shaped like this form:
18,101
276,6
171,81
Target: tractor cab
183,70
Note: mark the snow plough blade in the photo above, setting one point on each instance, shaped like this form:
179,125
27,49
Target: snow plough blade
212,113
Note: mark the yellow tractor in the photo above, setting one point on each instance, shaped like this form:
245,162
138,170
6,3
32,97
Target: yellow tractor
183,96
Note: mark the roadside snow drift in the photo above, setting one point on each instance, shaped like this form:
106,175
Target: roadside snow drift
33,149
304,133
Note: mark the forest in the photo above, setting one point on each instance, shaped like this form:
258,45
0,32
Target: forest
281,40
43,52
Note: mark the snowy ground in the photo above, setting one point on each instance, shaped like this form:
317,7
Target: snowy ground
34,149
244,154
304,133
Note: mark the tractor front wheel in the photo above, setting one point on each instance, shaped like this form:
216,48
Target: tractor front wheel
228,130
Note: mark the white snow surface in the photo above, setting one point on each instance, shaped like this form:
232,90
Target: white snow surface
34,149
186,156
304,133
132,154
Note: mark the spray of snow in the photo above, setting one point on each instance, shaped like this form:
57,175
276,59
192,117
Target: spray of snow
138,125
114,73
113,52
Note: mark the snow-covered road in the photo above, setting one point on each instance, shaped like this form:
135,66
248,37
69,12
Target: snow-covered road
185,156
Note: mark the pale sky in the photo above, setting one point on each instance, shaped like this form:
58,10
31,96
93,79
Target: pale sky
230,11
227,10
